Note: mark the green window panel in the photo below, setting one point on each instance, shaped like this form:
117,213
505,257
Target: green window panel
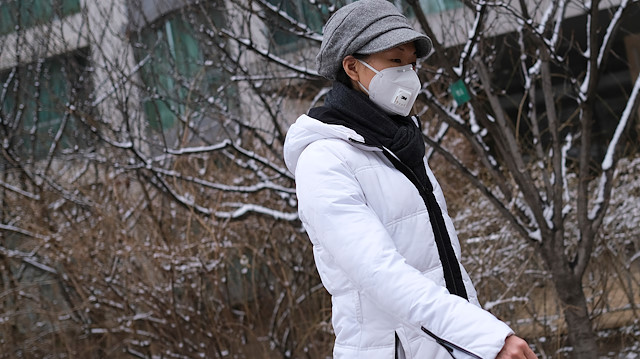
431,6
436,6
36,105
174,57
176,76
28,13
283,40
314,16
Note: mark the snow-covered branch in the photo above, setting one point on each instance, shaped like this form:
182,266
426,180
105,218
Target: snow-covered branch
298,28
614,144
608,164
265,185
610,33
475,34
304,71
19,191
246,208
226,144
486,191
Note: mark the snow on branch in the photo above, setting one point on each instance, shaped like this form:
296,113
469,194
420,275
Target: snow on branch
185,200
546,17
565,155
299,28
491,304
632,104
28,258
444,127
611,31
19,191
282,171
259,78
265,53
188,201
5,86
555,34
228,143
476,182
450,112
121,81
470,49
39,265
10,228
600,199
56,139
200,149
223,187
609,159
71,196
245,208
555,13
125,145
532,228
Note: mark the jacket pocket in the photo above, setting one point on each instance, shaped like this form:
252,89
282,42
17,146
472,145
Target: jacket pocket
455,351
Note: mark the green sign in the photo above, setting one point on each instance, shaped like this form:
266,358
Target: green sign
459,92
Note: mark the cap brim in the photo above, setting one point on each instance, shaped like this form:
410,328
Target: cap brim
397,37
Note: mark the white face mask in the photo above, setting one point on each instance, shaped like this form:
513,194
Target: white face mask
395,89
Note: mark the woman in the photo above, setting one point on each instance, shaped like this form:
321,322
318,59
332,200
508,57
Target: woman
384,246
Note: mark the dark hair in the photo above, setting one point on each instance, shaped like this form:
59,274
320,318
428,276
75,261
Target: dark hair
342,76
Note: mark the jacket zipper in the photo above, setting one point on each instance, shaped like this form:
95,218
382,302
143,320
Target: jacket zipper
451,348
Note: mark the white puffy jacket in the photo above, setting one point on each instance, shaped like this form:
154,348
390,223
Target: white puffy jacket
376,255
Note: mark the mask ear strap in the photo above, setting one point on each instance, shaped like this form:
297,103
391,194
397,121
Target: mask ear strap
363,88
372,69
369,66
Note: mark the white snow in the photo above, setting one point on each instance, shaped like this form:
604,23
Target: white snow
622,124
244,208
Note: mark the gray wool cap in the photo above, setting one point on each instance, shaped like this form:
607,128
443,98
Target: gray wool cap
365,27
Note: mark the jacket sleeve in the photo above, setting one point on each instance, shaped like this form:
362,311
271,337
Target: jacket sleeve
333,209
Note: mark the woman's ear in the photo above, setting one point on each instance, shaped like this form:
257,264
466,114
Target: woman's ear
349,64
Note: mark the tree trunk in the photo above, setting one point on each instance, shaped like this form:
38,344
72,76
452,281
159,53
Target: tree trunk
576,314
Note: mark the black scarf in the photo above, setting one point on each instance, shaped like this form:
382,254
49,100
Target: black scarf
353,109
400,135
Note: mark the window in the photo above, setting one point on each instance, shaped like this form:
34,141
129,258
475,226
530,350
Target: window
181,72
436,6
29,13
283,39
314,15
35,103
430,7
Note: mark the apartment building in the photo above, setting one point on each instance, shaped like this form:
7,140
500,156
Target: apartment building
138,67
